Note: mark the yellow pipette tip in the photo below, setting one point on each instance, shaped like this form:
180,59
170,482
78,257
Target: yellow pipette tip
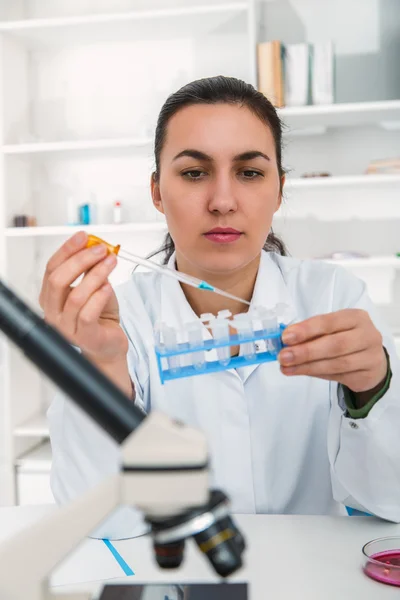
93,240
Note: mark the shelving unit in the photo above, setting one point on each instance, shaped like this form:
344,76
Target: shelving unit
77,117
38,459
341,199
32,471
69,230
344,181
133,25
367,263
378,272
72,146
36,427
385,114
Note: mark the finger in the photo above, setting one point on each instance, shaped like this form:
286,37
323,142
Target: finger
327,346
81,294
71,246
74,244
91,312
59,281
359,361
342,320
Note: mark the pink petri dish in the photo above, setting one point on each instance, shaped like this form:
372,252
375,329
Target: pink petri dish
381,560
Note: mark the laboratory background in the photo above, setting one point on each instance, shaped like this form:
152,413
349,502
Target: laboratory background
81,84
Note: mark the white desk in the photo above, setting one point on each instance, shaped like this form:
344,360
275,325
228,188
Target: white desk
288,557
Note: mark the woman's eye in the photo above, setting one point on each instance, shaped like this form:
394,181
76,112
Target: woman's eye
194,174
250,174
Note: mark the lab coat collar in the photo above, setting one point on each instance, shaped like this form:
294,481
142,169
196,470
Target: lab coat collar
270,288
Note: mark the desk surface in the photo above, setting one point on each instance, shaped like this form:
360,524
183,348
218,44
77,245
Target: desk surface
288,557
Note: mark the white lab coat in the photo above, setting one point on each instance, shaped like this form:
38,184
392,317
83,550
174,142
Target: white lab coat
277,444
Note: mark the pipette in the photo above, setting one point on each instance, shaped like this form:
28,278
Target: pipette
145,262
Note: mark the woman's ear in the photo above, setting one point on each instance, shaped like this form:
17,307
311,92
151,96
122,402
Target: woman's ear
155,193
283,179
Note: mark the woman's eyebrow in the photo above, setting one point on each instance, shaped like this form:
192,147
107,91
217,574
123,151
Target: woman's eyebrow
197,154
250,154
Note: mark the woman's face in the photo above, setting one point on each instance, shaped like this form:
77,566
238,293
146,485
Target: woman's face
219,186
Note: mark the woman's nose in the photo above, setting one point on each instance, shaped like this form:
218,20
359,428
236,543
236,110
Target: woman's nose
222,197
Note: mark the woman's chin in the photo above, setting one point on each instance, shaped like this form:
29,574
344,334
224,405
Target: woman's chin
222,265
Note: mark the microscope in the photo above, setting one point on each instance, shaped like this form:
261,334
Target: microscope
163,472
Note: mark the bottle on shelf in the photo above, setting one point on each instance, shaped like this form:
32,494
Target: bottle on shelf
117,212
88,212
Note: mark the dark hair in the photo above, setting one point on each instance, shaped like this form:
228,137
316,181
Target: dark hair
215,90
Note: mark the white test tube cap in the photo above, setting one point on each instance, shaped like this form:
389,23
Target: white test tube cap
259,311
220,328
207,317
224,314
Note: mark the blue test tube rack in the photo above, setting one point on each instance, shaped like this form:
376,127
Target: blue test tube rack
215,365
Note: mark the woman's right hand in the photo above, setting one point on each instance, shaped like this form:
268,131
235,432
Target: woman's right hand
86,314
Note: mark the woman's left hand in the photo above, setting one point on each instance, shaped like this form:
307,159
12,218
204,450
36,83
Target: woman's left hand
342,346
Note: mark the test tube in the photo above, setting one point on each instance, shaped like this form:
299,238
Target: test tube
268,318
169,337
243,324
220,329
269,322
195,338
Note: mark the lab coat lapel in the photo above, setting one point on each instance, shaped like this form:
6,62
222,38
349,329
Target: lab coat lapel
271,289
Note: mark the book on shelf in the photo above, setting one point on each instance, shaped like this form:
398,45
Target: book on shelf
270,72
322,73
296,68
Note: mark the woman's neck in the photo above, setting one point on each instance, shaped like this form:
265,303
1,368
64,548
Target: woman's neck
239,283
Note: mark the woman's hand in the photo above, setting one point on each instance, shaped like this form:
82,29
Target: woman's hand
343,346
87,314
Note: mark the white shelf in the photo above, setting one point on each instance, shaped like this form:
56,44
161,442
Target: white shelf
35,427
342,181
143,24
37,460
366,263
77,145
23,232
386,114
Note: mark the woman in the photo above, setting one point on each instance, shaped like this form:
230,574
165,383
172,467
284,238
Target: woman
310,434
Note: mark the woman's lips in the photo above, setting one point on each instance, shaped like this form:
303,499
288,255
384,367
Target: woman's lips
221,235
